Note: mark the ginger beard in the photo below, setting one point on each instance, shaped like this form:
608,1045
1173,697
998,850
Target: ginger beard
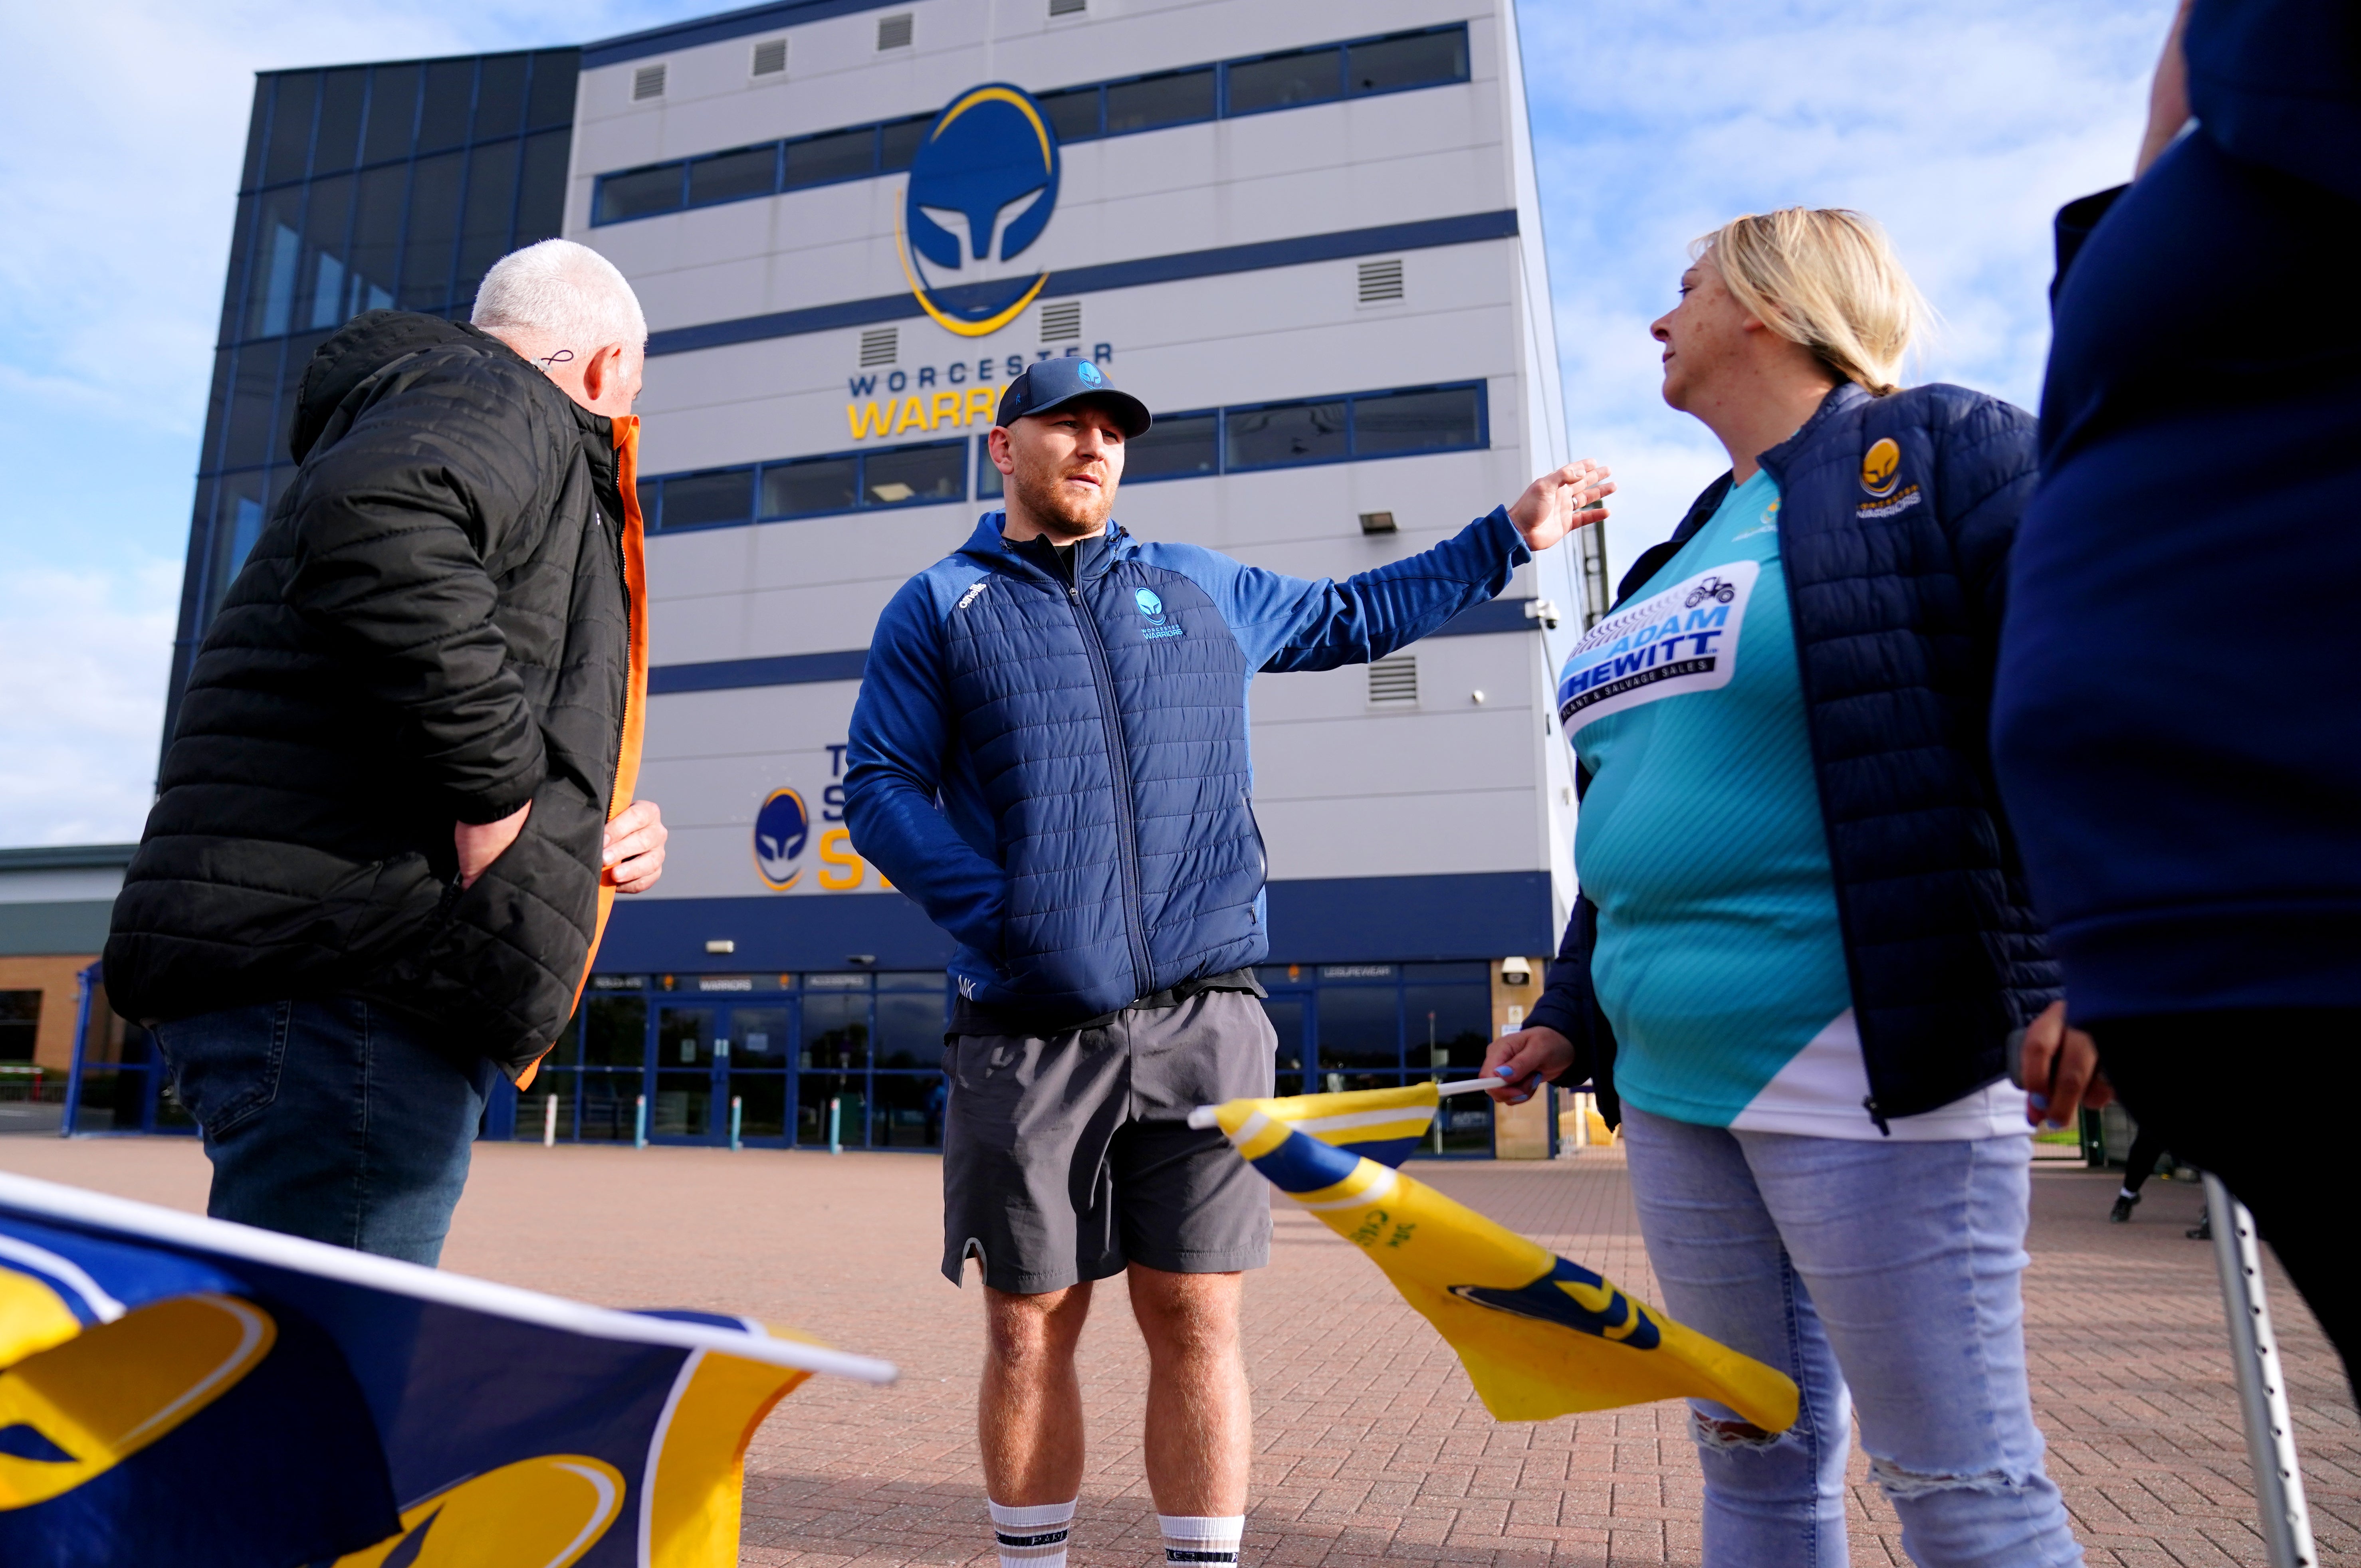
1068,511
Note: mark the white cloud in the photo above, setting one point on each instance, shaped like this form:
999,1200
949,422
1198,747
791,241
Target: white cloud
87,654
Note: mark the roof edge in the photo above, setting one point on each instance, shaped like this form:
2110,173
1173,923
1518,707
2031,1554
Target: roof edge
67,857
723,27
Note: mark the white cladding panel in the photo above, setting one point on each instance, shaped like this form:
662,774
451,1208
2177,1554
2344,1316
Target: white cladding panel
1345,787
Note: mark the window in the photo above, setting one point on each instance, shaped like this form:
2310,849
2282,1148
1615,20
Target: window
987,472
1176,446
1386,423
898,142
913,476
392,112
342,96
813,485
1287,433
1284,81
647,81
1069,7
727,176
840,155
1078,114
1407,59
638,192
1073,114
290,127
771,57
1175,98
695,501
500,97
20,1023
443,113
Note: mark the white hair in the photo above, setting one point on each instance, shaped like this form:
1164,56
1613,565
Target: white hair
561,294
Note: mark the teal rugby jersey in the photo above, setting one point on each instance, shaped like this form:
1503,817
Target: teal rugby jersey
1719,957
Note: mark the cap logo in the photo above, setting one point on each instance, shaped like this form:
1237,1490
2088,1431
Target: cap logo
1090,374
984,156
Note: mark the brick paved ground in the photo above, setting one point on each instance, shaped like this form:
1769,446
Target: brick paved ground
1372,1449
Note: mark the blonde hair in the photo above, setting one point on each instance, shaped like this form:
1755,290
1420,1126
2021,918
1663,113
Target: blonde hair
1824,278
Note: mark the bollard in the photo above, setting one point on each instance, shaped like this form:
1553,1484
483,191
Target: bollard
737,1117
640,1124
549,1122
835,1112
2262,1383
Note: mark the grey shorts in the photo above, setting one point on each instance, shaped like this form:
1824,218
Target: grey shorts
1066,1157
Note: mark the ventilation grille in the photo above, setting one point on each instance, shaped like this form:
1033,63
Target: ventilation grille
893,32
1067,7
1380,282
882,345
1061,321
1394,679
770,57
647,81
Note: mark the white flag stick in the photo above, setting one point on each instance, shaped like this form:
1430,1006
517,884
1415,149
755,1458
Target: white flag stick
1202,1116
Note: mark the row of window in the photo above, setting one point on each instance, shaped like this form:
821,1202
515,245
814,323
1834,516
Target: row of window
1357,427
327,121
1362,68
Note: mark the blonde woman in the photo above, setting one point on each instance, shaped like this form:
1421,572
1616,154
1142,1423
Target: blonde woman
1803,940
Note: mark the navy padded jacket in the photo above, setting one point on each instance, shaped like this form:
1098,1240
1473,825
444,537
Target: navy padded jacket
1059,773
1896,598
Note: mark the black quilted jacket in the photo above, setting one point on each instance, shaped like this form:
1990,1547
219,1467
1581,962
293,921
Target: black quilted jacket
434,627
1896,599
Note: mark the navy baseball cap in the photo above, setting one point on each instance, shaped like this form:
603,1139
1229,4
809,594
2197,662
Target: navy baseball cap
1046,384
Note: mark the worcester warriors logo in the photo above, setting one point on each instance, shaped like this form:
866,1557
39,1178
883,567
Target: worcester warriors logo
780,829
989,166
1881,465
1149,606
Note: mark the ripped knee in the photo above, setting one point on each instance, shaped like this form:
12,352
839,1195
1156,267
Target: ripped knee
1724,1435
1901,1485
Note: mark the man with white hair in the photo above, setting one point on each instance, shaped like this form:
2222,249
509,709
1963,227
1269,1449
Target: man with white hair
398,802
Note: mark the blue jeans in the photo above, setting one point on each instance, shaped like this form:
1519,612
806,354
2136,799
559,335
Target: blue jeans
1880,1276
329,1119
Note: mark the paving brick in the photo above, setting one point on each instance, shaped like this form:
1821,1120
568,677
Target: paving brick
1371,1452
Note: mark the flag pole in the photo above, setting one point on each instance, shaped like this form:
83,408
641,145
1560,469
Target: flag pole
1202,1116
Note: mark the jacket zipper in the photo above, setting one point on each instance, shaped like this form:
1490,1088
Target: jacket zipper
1118,764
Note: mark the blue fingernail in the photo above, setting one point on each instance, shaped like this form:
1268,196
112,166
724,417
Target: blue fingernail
1505,1070
2055,1126
2039,1102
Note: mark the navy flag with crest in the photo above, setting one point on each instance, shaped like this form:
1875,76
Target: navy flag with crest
187,1391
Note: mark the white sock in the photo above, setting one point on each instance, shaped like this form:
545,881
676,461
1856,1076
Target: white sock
2127,1192
1190,1540
1034,1537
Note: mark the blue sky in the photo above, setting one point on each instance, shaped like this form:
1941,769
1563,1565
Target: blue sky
1961,127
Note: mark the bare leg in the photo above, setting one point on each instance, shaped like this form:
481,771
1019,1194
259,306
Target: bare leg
1200,1416
1029,1414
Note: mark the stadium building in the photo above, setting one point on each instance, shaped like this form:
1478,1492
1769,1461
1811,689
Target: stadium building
1306,235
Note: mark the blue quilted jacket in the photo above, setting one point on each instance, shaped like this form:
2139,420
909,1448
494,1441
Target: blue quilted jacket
1057,771
1896,595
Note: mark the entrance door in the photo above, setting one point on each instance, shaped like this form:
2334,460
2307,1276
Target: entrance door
1291,1012
689,1075
751,1067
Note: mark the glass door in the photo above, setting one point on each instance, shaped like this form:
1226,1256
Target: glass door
689,1074
1290,1017
751,1067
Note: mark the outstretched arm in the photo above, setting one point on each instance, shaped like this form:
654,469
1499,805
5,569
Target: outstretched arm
902,731
1296,623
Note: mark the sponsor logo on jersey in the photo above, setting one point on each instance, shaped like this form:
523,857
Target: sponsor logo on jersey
1881,466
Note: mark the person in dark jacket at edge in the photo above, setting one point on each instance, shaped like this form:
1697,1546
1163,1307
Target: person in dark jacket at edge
1049,755
1803,939
2186,770
397,801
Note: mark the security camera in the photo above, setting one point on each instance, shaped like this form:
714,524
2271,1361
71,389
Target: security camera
1516,971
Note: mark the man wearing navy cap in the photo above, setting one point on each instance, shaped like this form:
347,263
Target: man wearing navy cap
1049,755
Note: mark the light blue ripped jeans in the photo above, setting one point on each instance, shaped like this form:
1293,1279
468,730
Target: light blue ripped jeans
1879,1275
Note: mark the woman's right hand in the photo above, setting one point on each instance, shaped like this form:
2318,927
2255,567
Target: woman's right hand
1524,1061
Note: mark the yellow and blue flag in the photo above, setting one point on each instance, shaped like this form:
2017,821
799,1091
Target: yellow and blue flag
186,1391
1540,1336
